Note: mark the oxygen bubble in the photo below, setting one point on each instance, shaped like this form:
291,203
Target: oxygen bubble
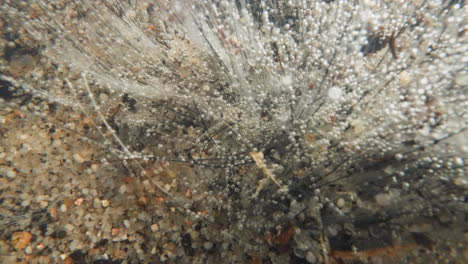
335,93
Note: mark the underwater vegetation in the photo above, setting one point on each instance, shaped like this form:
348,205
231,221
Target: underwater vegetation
215,131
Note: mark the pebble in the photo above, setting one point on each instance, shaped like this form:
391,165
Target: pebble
69,227
79,201
105,203
154,227
77,157
194,234
25,203
458,161
340,203
122,189
63,208
43,204
21,64
21,240
298,252
126,223
383,199
205,87
68,260
115,231
310,257
170,246
11,173
153,251
208,245
460,181
405,78
75,244
143,201
332,231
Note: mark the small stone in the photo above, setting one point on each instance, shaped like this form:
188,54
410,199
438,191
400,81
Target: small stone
75,244
188,193
298,252
63,208
79,201
310,257
142,201
126,223
340,203
105,203
460,181
97,203
11,173
56,143
383,199
103,97
458,161
78,158
171,173
170,246
332,231
67,260
21,64
68,202
40,247
405,78
115,231
43,204
154,227
159,200
53,212
208,245
205,87
21,240
69,227
28,250
25,203
154,251
122,189
194,234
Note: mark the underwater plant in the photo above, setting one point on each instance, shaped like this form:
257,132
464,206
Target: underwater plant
301,131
